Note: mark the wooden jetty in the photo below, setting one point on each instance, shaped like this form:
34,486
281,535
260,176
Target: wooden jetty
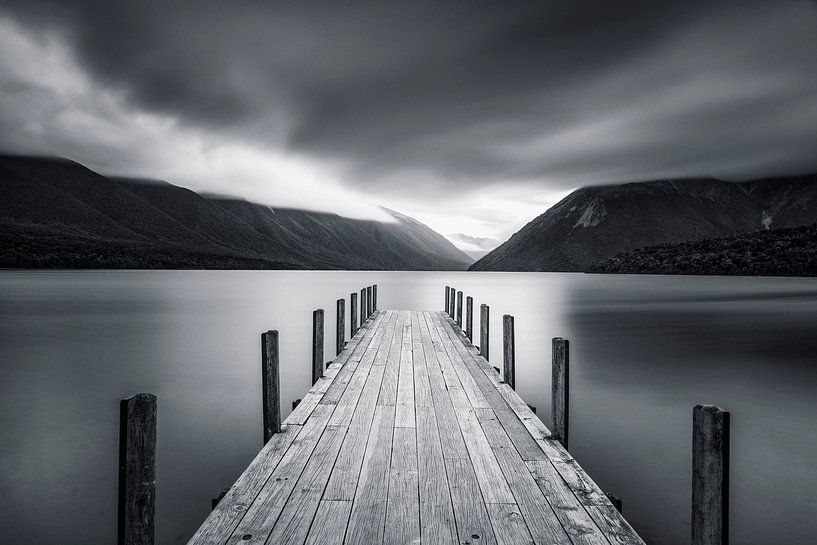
410,436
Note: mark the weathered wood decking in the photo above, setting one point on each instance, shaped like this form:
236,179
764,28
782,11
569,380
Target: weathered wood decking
411,437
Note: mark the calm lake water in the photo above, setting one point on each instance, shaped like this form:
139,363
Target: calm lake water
644,351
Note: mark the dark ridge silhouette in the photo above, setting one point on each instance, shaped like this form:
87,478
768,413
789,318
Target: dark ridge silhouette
594,223
58,213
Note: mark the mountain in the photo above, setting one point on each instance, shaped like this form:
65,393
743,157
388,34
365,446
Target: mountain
594,223
58,213
475,247
779,252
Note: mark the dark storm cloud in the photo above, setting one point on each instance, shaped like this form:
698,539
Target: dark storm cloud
464,94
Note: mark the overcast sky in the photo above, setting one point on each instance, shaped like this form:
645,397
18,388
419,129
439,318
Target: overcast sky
472,116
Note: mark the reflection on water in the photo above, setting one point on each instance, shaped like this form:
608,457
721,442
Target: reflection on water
644,351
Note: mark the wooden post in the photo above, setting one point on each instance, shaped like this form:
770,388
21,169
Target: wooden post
616,501
447,299
317,345
560,390
374,297
362,306
451,304
215,501
710,475
340,330
459,309
270,384
508,352
469,318
137,470
484,319
353,314
368,301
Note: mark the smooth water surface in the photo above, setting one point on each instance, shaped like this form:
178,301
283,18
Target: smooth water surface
644,351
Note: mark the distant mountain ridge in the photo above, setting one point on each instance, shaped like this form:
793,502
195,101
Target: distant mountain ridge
58,213
594,223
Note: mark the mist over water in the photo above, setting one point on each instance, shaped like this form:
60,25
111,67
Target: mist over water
644,351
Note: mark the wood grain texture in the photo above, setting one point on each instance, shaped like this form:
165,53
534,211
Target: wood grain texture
436,509
295,520
367,521
137,470
484,330
403,506
710,475
469,318
331,528
270,384
560,390
317,345
508,352
509,525
544,526
459,309
470,513
363,314
353,314
340,326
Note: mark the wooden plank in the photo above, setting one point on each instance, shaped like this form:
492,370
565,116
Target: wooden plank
403,506
388,390
470,513
459,398
476,398
367,521
422,387
575,519
488,385
348,401
542,522
604,514
404,416
295,520
312,398
232,507
436,510
331,528
262,514
489,475
350,358
453,445
509,525
346,473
